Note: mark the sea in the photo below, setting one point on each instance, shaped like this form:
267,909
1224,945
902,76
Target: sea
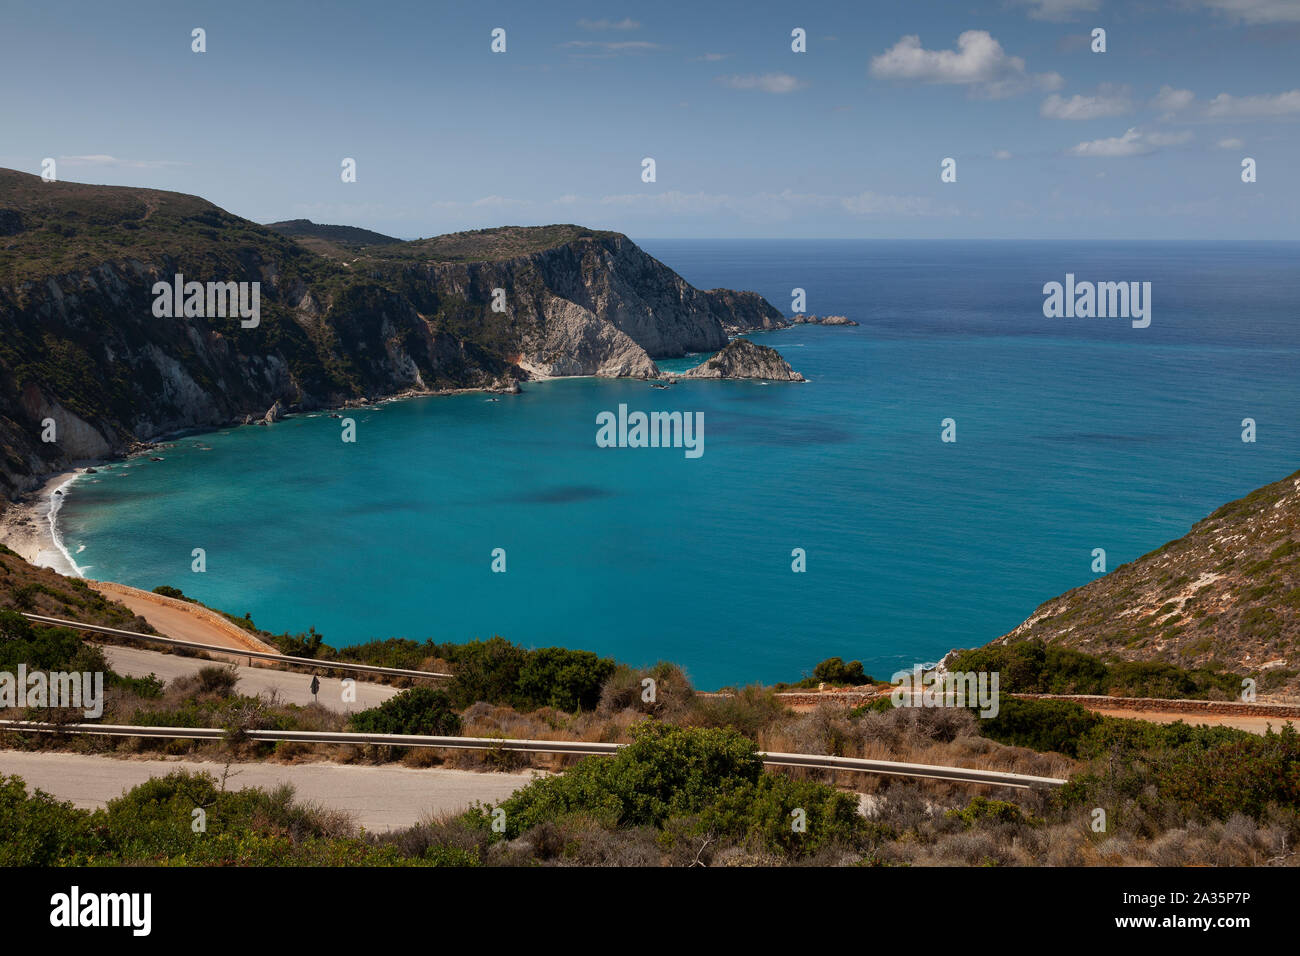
821,519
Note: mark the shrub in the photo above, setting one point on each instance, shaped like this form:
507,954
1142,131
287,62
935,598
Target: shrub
420,710
1188,773
694,780
1043,725
486,671
564,679
749,710
217,679
666,771
496,671
45,648
834,671
1032,667
39,830
982,809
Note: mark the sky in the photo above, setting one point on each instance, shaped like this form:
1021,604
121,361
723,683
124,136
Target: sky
749,138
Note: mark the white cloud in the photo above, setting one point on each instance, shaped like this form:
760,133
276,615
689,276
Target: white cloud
1168,139
624,24
1133,143
1251,107
1256,11
1172,100
1231,143
1109,101
611,47
1058,10
1002,154
979,62
713,57
1227,106
767,82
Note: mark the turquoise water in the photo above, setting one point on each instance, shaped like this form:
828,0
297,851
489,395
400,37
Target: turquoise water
1072,435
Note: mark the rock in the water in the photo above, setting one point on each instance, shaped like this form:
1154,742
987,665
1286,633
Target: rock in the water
274,413
827,320
745,359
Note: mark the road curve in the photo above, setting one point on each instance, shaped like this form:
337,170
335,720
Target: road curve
378,797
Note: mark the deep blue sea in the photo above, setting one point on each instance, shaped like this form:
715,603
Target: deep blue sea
1072,434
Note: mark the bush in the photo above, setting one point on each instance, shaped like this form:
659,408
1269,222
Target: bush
217,679
1033,667
302,645
45,648
563,679
39,830
749,710
486,671
763,812
983,810
1043,725
666,771
1191,773
834,671
673,696
420,710
692,780
496,671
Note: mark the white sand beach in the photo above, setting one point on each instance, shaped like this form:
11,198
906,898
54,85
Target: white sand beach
27,529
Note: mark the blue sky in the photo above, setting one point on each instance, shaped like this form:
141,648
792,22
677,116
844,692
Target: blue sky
749,138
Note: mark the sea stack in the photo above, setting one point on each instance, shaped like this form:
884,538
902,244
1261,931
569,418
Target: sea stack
745,359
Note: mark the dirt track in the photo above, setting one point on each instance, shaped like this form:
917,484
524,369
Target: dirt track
180,619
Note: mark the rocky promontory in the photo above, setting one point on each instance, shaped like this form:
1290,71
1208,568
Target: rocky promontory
346,315
745,359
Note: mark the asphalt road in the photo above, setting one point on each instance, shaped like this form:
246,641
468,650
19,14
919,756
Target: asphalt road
292,688
378,797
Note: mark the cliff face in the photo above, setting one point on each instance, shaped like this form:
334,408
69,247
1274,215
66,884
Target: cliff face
1226,594
340,318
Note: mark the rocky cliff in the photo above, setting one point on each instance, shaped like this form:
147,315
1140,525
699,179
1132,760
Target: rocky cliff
344,316
745,359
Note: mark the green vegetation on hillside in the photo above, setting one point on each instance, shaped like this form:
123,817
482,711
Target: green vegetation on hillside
1225,597
1033,667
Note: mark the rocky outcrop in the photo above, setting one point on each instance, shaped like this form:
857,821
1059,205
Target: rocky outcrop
745,359
485,309
821,320
745,311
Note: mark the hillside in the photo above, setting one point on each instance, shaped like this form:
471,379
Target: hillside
340,322
347,235
25,587
1226,595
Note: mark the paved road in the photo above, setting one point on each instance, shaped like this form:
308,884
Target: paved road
293,688
378,797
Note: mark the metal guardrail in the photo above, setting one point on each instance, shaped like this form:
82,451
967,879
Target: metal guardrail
583,748
235,651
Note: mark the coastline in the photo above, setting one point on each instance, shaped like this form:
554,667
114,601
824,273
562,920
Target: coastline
29,526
